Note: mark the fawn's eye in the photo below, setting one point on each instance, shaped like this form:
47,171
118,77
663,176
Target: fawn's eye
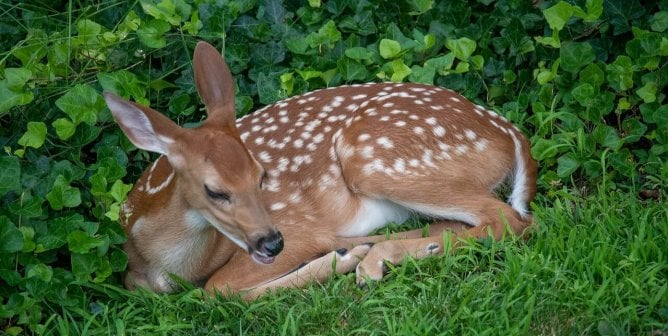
217,195
264,177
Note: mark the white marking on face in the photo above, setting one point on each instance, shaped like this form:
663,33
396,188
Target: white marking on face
153,190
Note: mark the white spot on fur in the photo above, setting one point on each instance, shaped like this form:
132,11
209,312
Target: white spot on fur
471,135
363,137
385,142
439,131
277,206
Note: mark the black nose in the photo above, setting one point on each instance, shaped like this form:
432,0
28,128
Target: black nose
272,244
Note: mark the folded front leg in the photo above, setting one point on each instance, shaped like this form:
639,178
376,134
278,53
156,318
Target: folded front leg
318,270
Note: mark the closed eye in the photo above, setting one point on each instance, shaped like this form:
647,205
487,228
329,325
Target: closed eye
217,195
264,177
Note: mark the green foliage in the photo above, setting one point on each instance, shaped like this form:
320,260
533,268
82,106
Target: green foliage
585,79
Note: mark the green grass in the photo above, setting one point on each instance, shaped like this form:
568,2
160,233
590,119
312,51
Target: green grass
594,266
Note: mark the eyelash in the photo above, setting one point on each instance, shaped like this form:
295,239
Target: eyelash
217,195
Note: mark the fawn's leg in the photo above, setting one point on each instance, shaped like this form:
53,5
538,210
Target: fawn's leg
319,270
489,213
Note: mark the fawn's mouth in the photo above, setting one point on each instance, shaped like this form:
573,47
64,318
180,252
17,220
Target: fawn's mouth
262,258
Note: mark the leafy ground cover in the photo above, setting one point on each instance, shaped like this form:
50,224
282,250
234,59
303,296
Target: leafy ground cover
585,79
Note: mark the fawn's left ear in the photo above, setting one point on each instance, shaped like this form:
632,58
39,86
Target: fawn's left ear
146,128
215,84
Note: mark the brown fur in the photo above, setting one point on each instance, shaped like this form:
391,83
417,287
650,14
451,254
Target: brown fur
335,160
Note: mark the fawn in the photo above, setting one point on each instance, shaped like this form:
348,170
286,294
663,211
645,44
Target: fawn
273,198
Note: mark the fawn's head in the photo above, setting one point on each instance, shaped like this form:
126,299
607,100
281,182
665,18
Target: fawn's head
215,174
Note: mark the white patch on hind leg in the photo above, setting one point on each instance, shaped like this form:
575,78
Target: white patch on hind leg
373,214
451,213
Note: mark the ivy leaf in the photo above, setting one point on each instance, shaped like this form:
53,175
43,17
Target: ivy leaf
274,11
558,15
359,53
118,260
35,135
389,48
620,73
659,22
124,83
463,47
424,75
17,78
82,104
419,7
12,88
151,34
83,265
10,236
593,75
162,10
399,70
584,94
10,174
575,55
351,70
81,242
64,128
647,92
567,164
620,12
606,136
63,195
120,190
88,30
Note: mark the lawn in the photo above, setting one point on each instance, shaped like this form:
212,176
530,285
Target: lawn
585,80
595,265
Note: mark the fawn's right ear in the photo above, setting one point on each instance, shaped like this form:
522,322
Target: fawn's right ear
214,84
145,127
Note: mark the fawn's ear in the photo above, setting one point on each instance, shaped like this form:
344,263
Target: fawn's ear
214,84
146,128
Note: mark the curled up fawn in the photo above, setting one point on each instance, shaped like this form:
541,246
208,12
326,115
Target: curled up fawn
274,198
